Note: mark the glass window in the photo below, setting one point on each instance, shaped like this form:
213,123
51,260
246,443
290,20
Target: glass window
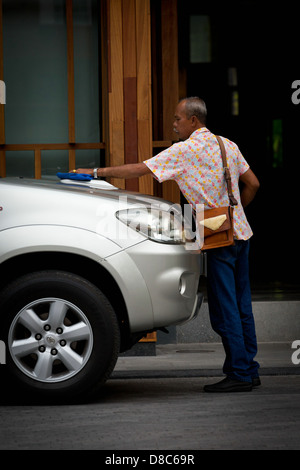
35,63
86,17
35,71
54,161
89,158
200,39
20,163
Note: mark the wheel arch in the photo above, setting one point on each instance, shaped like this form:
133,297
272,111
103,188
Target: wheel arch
76,264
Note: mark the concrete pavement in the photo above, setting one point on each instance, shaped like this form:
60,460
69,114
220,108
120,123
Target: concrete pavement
205,359
157,415
156,404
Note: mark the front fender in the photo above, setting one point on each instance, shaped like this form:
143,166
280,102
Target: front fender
34,238
47,238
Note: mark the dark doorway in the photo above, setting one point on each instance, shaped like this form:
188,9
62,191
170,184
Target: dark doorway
241,59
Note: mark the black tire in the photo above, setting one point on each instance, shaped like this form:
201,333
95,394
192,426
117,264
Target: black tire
61,335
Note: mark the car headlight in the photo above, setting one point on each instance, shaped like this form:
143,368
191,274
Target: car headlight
156,224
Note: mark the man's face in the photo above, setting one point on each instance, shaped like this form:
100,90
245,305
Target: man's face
183,126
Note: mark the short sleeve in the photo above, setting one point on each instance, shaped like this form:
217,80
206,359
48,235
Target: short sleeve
166,165
243,166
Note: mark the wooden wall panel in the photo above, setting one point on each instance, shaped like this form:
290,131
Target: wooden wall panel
70,60
116,96
105,71
38,164
170,82
130,89
144,102
129,63
130,123
169,46
129,38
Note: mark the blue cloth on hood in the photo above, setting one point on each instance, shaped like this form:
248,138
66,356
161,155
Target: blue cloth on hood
75,176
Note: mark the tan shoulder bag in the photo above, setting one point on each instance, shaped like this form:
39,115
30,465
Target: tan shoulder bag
217,223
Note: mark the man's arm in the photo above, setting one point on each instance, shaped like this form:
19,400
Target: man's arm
131,170
250,188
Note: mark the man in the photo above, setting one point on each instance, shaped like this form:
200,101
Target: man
195,163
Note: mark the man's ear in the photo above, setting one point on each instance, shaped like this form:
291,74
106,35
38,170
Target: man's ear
194,121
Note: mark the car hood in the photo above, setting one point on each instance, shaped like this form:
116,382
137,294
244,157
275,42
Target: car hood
84,205
95,188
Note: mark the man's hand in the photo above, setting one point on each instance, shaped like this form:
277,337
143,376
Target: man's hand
86,171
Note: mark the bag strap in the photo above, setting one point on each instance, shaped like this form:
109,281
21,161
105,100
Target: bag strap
233,201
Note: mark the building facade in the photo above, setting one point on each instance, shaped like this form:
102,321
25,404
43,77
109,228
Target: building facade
95,82
80,78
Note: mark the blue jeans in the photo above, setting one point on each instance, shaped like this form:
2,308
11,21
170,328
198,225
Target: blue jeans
230,308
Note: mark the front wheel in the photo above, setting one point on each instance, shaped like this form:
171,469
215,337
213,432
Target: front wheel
61,333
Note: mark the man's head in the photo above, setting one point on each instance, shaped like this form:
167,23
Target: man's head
190,115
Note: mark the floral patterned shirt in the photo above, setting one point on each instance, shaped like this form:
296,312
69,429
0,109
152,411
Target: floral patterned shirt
196,166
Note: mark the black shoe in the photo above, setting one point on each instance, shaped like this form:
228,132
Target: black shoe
256,382
229,385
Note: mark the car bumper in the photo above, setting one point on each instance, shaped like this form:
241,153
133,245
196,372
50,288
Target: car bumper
159,283
197,307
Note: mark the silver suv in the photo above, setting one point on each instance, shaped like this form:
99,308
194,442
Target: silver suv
86,270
